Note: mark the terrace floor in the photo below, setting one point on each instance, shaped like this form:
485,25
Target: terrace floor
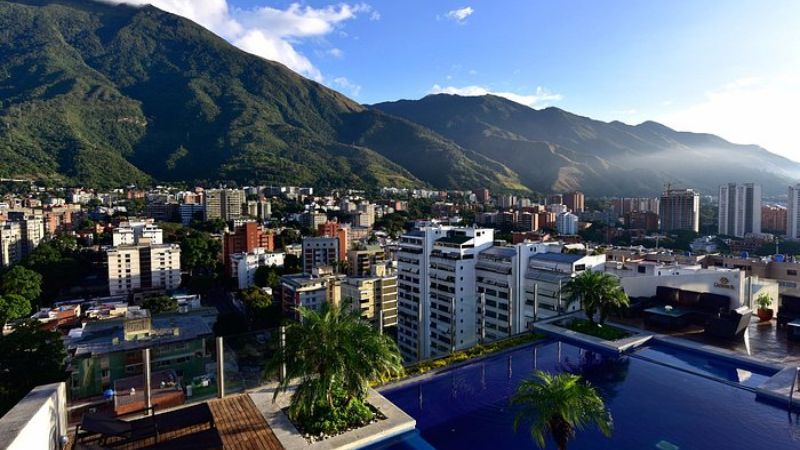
238,425
761,340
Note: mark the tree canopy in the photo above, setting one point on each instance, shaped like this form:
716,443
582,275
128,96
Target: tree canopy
160,304
21,281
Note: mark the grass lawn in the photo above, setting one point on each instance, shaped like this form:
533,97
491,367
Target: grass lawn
606,332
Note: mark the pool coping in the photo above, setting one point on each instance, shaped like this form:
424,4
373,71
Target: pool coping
396,422
638,336
441,370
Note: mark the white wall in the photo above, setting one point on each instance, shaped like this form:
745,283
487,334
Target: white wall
38,421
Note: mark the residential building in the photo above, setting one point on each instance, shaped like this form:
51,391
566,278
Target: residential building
225,204
437,301
374,297
313,219
245,264
739,209
319,252
335,230
482,195
18,238
641,220
260,209
134,268
575,201
545,277
245,238
679,209
137,232
107,350
793,213
310,290
191,211
370,260
567,223
773,219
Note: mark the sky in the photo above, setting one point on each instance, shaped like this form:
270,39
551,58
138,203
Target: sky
730,68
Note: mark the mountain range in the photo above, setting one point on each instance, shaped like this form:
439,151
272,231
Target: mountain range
105,95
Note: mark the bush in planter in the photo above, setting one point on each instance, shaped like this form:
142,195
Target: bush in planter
763,303
334,354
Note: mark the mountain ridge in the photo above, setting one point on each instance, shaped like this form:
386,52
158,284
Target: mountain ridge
577,152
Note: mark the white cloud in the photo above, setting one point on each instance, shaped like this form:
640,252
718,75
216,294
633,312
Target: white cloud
459,15
271,33
750,110
336,53
541,97
343,83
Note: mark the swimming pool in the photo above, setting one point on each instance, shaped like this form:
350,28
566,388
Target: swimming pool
654,406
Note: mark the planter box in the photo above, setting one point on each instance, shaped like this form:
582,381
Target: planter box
396,422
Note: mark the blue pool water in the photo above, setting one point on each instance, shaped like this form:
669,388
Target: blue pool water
653,406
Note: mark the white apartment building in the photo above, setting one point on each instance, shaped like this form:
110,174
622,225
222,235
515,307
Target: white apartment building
244,265
19,238
740,209
437,301
309,290
545,277
136,233
225,204
143,267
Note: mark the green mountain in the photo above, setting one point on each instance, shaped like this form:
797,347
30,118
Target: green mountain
107,95
555,150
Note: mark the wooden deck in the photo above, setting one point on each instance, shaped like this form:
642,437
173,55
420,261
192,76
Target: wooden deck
238,425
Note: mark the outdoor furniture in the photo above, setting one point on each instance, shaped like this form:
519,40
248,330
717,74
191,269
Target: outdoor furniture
113,427
700,306
788,310
793,331
730,324
151,426
662,317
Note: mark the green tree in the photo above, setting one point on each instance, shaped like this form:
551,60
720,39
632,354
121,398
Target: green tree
13,307
335,354
199,250
255,297
596,291
558,406
21,281
267,276
160,304
32,356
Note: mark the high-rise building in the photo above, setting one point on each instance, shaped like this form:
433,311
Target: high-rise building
739,209
567,223
574,201
793,213
335,230
773,219
244,265
437,301
18,238
319,252
482,195
143,267
679,209
368,261
310,290
555,199
373,297
225,204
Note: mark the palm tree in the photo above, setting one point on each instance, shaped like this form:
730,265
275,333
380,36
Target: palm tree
596,291
559,405
335,355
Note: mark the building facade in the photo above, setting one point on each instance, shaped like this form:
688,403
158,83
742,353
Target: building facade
143,267
679,209
319,252
739,209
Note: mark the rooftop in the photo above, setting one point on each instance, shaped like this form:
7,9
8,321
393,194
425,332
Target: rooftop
566,258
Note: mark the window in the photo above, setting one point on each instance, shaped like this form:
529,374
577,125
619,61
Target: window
791,272
641,269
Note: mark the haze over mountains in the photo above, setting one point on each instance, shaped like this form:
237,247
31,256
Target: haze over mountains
108,95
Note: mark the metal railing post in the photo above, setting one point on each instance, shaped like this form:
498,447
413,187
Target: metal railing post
380,321
282,371
148,395
220,368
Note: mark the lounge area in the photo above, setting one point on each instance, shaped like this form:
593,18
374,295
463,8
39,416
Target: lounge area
229,423
673,309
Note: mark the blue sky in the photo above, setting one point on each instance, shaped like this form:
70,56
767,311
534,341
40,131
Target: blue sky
730,68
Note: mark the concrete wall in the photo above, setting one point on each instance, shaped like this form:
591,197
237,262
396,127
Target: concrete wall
38,421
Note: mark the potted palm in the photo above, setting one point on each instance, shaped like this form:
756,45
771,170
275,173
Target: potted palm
558,406
763,302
